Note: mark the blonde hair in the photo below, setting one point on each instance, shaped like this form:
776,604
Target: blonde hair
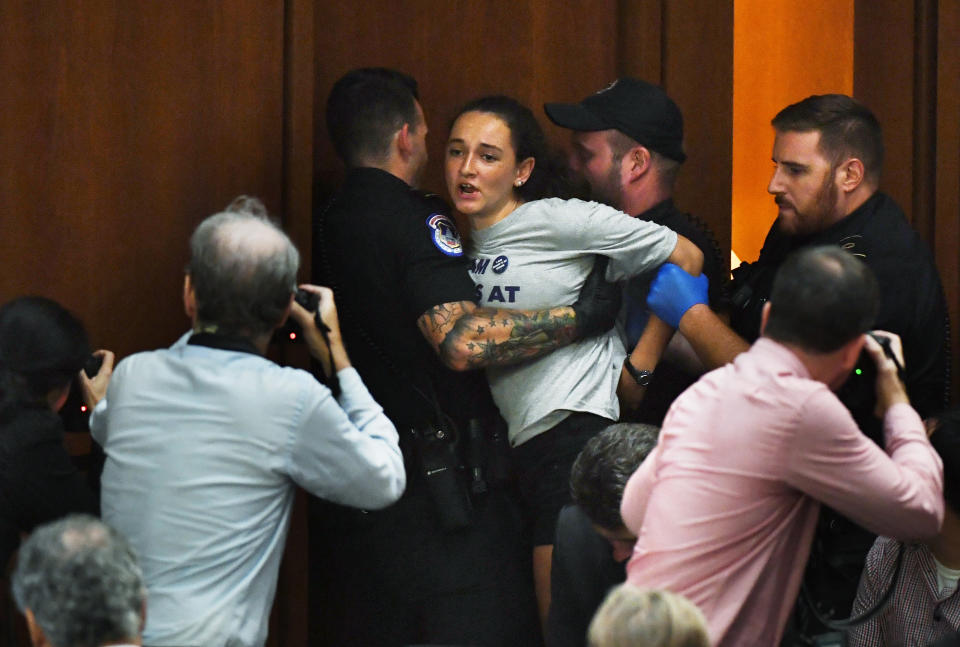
631,616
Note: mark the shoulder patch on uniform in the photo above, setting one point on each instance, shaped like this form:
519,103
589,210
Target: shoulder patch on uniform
444,234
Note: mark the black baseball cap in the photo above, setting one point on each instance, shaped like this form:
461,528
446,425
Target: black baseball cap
640,110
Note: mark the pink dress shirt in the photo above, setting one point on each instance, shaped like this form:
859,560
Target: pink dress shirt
726,505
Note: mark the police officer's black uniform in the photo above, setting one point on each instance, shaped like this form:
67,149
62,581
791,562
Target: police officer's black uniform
911,297
397,576
911,305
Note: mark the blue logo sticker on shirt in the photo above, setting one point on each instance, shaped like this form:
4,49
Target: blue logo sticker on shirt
445,236
500,264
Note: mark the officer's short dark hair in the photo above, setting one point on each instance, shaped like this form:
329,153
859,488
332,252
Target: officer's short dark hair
847,129
946,440
822,298
243,270
365,108
603,468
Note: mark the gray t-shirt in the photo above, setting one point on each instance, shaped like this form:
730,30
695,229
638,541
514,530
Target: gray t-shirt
539,257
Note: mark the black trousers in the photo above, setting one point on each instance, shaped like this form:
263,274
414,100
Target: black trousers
543,466
393,577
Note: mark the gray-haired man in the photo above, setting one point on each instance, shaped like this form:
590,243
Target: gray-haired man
205,440
78,584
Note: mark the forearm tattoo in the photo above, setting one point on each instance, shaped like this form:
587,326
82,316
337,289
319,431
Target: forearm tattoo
474,337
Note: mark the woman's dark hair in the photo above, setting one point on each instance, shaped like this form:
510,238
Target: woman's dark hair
42,346
549,178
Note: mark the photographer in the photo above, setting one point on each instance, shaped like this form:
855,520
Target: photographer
726,505
42,348
206,440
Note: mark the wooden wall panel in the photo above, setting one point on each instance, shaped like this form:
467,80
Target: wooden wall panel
698,75
907,70
883,79
546,51
536,51
946,238
924,98
122,126
299,93
640,39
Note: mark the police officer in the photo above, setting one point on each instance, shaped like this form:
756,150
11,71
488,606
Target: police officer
627,143
447,563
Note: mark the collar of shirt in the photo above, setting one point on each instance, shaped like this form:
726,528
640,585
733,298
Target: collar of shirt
773,353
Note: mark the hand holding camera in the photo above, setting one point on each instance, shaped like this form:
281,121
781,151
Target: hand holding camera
316,312
95,377
887,352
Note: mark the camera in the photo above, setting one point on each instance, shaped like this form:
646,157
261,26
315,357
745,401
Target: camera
887,347
92,366
308,300
291,330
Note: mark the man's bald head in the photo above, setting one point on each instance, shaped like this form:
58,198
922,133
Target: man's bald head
243,269
823,298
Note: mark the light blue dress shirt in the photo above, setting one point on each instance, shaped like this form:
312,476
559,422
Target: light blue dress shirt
204,447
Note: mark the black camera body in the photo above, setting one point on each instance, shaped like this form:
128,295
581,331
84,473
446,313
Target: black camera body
291,330
308,300
92,366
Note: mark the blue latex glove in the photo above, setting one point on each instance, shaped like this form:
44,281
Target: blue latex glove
673,292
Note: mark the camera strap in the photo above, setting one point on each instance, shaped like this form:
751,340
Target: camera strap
846,623
223,342
333,380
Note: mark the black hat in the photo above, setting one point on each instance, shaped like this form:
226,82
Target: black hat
640,110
